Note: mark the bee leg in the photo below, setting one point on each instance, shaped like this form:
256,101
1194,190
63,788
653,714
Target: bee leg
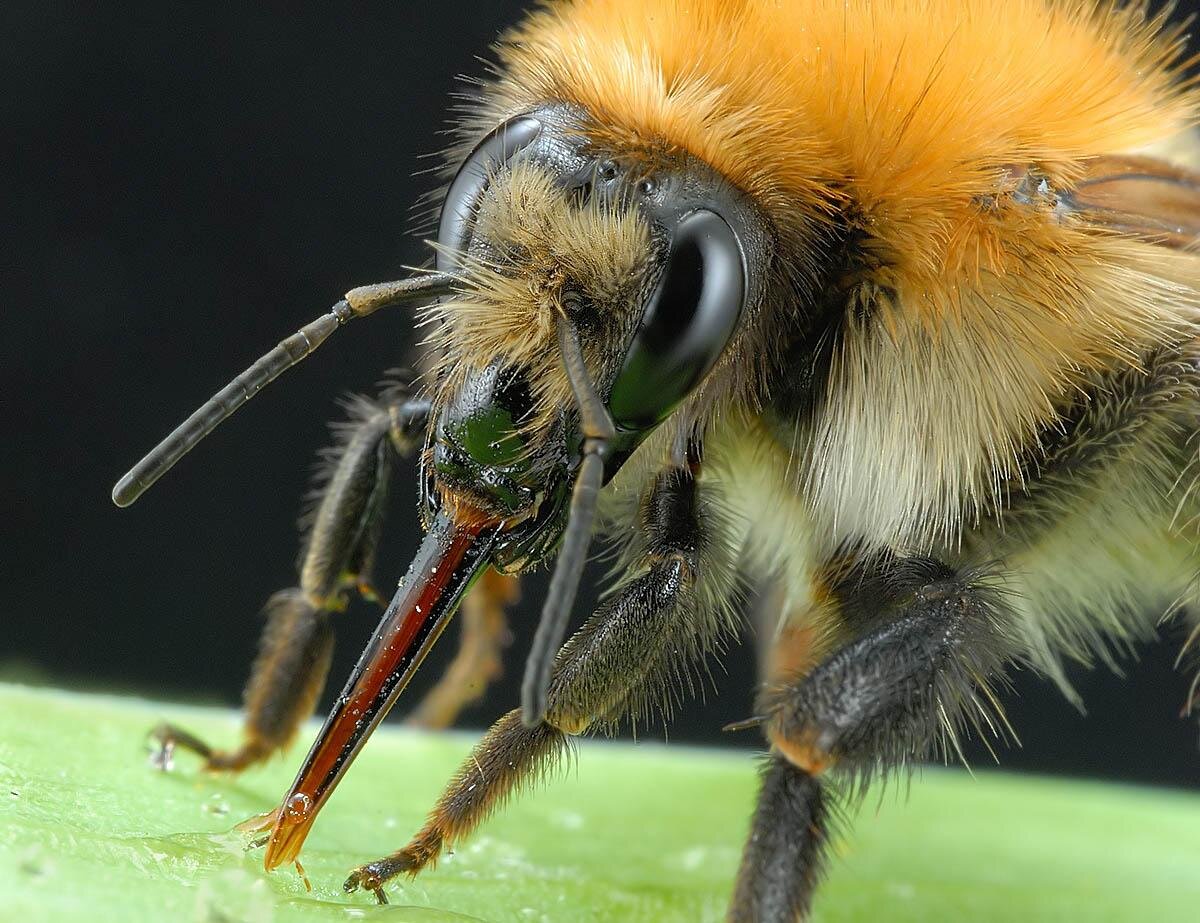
633,640
926,640
297,643
782,862
287,676
507,756
485,635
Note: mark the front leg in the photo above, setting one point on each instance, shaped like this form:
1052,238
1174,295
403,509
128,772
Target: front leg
926,642
623,659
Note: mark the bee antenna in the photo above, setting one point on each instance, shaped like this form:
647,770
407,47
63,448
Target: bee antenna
359,302
598,431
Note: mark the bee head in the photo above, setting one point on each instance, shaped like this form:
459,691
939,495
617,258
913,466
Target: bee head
647,261
582,296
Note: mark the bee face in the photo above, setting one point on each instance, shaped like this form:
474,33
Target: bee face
653,259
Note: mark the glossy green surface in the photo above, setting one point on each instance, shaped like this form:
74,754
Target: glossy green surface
627,833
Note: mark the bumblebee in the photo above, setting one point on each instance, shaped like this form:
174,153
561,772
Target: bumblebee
883,314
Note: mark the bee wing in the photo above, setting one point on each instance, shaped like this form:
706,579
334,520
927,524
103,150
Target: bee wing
1141,196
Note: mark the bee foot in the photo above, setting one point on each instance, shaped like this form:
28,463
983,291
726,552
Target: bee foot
369,878
166,738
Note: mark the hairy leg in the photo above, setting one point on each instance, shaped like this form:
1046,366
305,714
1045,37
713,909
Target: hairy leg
782,862
626,653
926,641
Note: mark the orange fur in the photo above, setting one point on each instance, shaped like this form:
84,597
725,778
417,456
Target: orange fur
908,110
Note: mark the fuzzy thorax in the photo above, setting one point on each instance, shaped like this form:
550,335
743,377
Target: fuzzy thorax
538,253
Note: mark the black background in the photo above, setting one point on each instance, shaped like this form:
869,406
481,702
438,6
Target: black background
188,185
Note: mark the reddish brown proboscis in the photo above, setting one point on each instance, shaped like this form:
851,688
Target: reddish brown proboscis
454,552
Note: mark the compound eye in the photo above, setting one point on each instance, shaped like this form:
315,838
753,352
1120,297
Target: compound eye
469,184
686,325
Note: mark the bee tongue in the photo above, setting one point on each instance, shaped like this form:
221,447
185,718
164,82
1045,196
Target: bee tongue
453,553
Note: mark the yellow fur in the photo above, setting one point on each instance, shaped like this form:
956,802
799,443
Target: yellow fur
952,410
509,305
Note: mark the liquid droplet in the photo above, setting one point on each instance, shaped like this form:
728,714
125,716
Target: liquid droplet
298,807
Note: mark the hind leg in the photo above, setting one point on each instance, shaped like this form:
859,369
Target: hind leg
297,643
